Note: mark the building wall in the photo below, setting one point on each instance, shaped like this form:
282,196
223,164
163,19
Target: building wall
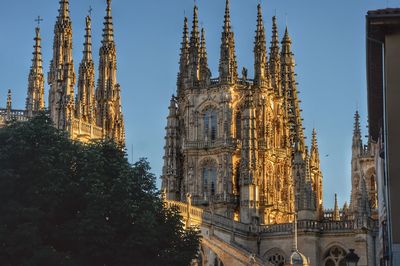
392,97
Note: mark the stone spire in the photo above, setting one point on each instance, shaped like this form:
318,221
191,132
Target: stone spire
184,59
274,59
316,174
108,30
289,89
194,51
357,139
170,172
109,109
61,76
9,101
205,73
35,96
85,107
336,213
260,51
227,63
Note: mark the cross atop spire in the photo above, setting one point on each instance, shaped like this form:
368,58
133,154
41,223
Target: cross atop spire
38,20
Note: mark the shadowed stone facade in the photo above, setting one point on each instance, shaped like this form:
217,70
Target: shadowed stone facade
236,162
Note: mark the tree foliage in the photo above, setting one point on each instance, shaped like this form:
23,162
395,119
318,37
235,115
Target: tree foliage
67,203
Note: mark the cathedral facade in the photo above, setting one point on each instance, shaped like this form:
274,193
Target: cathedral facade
235,149
91,113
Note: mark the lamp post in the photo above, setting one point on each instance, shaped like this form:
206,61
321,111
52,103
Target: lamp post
352,258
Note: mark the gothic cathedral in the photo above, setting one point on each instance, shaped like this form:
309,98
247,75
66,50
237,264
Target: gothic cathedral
235,149
91,113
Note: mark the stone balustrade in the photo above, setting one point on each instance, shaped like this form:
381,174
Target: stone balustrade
199,216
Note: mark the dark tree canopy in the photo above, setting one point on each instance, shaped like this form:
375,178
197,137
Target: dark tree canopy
67,203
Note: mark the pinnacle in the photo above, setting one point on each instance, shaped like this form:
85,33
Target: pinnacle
227,18
108,31
64,9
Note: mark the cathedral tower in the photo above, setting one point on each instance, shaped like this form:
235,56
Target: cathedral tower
61,76
108,92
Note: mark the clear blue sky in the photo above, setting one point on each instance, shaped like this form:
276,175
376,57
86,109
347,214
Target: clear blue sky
328,43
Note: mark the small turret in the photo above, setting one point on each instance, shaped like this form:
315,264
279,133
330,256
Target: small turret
170,172
336,212
227,64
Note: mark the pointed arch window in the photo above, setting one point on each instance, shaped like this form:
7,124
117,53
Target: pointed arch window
210,125
238,124
209,180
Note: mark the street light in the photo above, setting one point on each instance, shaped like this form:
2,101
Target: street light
352,258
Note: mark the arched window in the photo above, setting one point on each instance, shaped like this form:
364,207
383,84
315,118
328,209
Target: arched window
275,257
210,124
209,180
335,256
238,124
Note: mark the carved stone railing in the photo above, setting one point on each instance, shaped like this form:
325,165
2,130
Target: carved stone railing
198,216
10,115
82,129
202,144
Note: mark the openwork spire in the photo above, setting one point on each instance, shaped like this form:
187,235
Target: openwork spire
205,73
336,212
289,91
108,31
274,59
87,50
357,128
85,106
194,50
63,12
35,95
260,51
184,58
227,64
227,17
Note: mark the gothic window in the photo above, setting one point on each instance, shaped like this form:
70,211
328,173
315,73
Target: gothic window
238,124
276,259
209,180
210,124
335,256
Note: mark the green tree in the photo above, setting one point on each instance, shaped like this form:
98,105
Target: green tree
67,203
